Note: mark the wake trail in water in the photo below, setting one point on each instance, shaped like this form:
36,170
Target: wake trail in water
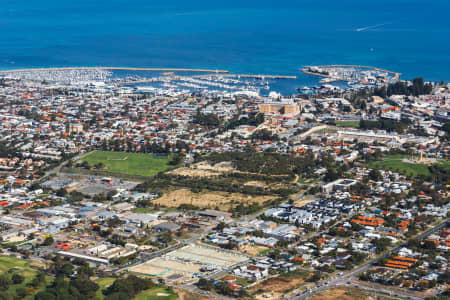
371,27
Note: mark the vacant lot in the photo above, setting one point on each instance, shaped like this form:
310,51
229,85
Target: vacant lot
128,163
395,163
255,250
343,294
222,200
274,287
204,169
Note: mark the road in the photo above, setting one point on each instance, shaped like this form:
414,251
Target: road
58,168
350,278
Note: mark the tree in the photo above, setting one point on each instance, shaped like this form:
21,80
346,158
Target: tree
130,286
205,284
315,277
429,245
375,175
446,127
176,160
166,237
381,244
44,295
67,269
17,279
48,241
220,226
76,196
331,175
62,192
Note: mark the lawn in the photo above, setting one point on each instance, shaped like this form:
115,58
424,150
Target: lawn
157,293
128,163
10,266
103,283
347,124
395,163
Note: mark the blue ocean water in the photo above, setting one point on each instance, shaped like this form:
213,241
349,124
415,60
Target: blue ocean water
252,36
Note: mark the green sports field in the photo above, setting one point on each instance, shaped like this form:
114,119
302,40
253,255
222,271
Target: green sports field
347,124
128,163
395,163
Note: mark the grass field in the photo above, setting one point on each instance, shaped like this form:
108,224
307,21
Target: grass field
158,293
144,210
103,283
128,163
10,266
347,123
395,163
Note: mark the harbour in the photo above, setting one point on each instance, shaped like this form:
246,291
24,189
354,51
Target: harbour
353,74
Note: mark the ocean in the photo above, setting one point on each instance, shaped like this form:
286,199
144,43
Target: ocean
264,36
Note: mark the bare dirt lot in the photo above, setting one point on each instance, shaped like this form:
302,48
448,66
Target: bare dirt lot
302,203
274,287
342,294
222,200
253,250
204,169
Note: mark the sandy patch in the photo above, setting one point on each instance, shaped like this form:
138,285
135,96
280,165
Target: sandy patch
339,294
193,173
303,202
222,200
256,184
274,287
204,169
253,250
15,239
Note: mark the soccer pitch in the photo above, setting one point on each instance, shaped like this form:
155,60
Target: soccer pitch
128,163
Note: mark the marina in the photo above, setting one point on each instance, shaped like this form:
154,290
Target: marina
162,80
